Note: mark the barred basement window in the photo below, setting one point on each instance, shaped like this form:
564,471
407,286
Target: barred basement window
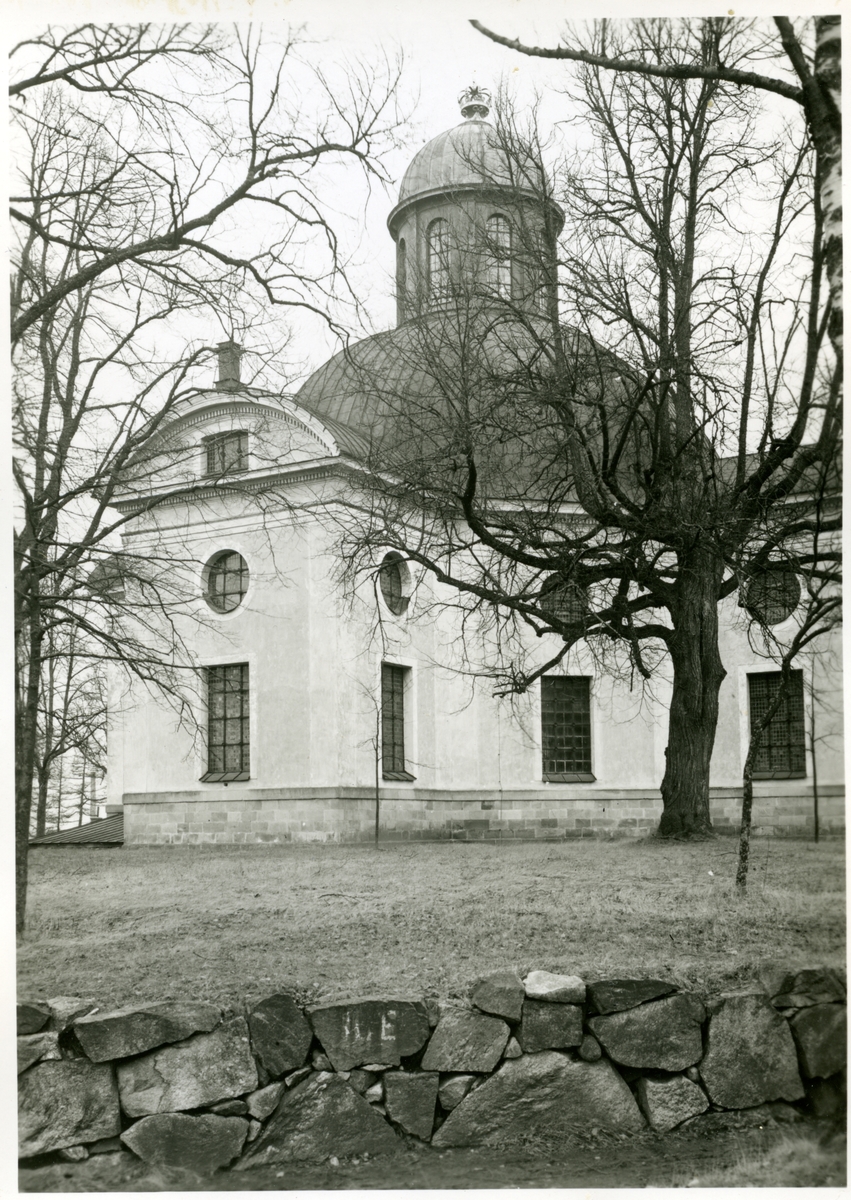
227,452
782,751
772,596
393,680
227,724
227,581
566,728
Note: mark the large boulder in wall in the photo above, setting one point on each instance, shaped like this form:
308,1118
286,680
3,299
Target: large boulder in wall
280,1034
820,1036
64,1104
664,1035
750,1055
126,1031
355,1032
319,1117
202,1070
195,1143
545,1095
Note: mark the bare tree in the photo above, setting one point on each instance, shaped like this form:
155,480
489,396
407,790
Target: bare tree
138,152
815,86
614,479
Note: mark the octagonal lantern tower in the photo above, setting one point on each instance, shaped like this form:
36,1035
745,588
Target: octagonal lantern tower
472,218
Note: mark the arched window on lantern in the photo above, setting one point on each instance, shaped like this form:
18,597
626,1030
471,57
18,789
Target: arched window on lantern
401,273
437,245
498,269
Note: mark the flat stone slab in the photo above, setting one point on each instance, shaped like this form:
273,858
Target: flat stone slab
501,994
465,1041
618,995
202,1070
357,1033
548,1026
320,1117
33,1015
666,1103
126,1031
280,1034
36,1047
663,1034
195,1143
410,1098
543,1095
820,1036
750,1055
560,989
64,1104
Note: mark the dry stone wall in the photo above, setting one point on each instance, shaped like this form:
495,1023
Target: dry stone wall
548,1056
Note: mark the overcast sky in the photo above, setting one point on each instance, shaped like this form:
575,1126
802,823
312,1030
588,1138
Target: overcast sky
443,54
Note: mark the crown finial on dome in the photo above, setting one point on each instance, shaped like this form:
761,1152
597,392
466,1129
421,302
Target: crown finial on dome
475,102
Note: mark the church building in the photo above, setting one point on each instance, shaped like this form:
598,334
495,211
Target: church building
328,710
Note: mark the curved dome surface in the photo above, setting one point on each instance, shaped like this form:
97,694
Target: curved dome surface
463,156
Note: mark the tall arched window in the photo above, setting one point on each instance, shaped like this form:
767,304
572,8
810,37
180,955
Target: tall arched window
437,240
498,271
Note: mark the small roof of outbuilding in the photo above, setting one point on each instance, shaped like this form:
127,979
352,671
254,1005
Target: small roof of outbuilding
104,831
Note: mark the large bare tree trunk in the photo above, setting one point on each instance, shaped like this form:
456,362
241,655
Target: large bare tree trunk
698,674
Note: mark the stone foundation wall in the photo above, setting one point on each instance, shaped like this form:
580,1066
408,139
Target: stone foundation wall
465,817
550,1056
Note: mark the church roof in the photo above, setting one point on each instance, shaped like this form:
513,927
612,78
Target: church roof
465,156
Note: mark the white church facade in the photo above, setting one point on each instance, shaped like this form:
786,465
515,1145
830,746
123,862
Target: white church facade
322,712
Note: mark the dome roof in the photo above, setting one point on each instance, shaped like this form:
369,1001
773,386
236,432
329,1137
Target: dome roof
461,157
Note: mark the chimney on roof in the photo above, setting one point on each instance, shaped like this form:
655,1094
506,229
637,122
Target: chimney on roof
230,353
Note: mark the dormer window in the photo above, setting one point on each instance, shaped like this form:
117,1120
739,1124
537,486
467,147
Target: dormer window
437,241
227,452
498,270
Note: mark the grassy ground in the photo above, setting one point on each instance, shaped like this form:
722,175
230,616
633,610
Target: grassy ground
229,923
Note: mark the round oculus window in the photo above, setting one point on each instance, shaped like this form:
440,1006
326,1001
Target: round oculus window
564,600
772,596
227,581
394,581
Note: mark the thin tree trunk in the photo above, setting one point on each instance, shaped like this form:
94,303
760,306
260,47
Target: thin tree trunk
747,815
698,674
815,768
26,738
377,771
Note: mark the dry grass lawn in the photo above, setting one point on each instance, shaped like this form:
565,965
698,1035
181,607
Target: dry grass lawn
228,923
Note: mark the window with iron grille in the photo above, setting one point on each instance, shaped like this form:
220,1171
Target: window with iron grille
566,728
227,724
227,581
227,452
782,750
393,680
